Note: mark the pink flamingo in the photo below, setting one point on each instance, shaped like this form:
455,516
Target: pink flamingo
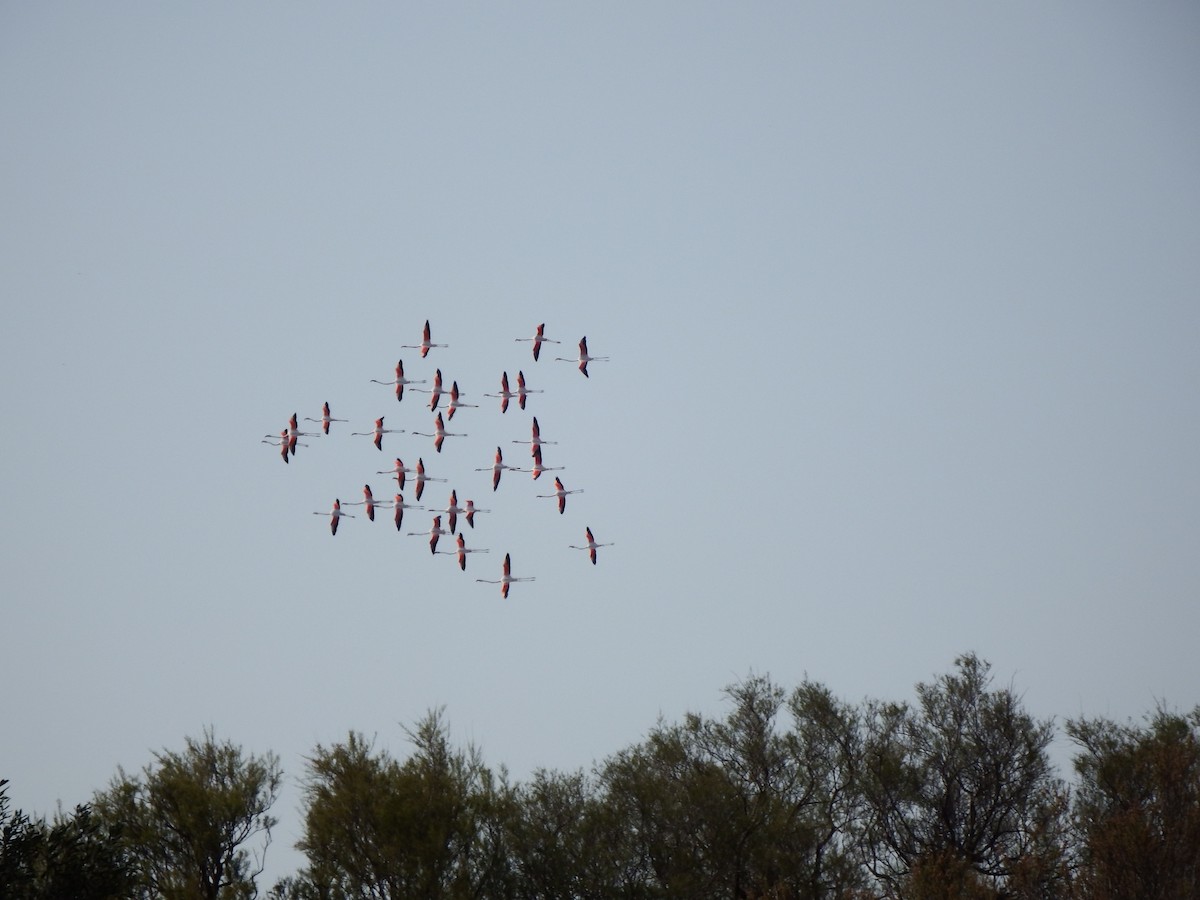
537,468
294,433
435,531
325,419
400,471
334,515
455,403
435,392
505,394
539,338
378,432
399,381
425,344
522,390
462,551
536,441
590,546
583,358
496,468
561,493
506,579
470,512
439,434
400,506
368,501
452,511
421,478
284,441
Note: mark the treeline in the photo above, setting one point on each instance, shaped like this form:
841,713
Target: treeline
793,794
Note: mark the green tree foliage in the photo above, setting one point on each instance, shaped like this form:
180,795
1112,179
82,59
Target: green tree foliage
1137,806
377,828
74,857
195,825
558,845
738,807
961,797
789,796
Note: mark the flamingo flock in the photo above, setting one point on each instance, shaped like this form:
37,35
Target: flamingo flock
287,441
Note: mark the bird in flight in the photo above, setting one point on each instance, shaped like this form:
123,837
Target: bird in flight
421,478
325,419
399,381
294,433
522,391
590,546
452,510
435,531
537,468
439,433
400,471
506,579
539,338
435,392
284,442
334,515
561,493
496,468
461,551
426,345
378,432
505,394
455,404
471,509
583,359
400,506
368,501
535,442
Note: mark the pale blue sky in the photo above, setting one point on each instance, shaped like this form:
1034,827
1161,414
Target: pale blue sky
901,300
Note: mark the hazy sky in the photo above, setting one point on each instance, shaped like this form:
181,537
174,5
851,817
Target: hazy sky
903,314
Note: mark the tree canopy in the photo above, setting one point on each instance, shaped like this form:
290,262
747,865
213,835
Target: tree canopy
790,795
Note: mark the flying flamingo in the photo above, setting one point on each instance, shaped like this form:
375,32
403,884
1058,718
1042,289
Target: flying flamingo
325,419
400,471
539,338
400,506
453,510
294,433
435,391
505,394
537,468
284,437
462,551
454,402
506,579
399,381
590,546
522,390
276,439
379,432
496,468
368,501
284,441
422,478
561,493
334,514
435,531
425,346
439,434
470,512
536,442
583,359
